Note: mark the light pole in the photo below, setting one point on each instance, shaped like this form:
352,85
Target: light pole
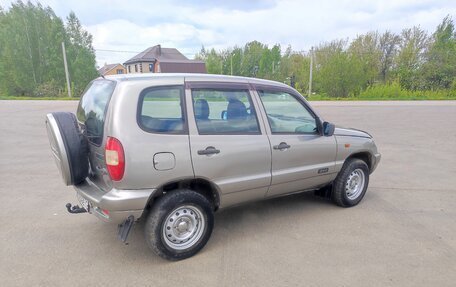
66,69
310,71
231,60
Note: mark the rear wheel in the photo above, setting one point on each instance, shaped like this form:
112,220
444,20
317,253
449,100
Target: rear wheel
351,183
179,224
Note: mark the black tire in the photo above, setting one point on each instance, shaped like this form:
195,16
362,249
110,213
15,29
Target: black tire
76,147
159,223
340,189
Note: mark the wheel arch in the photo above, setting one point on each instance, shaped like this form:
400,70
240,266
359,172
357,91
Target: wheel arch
365,156
200,185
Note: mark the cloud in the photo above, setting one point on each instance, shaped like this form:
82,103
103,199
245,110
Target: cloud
240,5
123,35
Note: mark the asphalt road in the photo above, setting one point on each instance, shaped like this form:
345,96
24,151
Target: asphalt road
402,234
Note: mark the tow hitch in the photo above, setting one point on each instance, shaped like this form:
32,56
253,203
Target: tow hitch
75,208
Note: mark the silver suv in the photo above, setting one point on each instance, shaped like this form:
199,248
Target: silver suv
174,148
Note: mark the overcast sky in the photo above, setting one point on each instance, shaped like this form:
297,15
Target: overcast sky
134,25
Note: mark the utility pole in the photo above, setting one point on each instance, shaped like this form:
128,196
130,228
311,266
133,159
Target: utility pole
310,71
231,65
66,69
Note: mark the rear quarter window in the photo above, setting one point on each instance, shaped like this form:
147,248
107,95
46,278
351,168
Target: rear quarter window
161,110
92,108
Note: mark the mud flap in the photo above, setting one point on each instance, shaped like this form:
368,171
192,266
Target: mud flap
324,192
124,229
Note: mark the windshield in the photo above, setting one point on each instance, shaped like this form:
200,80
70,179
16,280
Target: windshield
92,108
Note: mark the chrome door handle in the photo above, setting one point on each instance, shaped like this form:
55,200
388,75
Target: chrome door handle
282,146
208,151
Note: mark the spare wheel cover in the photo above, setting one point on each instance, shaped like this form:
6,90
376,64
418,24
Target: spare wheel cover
70,147
58,148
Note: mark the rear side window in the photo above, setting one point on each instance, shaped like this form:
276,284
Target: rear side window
161,110
92,108
223,111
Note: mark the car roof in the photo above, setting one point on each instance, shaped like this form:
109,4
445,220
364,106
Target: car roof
193,77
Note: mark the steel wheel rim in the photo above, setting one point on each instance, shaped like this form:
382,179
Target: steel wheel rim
354,185
183,227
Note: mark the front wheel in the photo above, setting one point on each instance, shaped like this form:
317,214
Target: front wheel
351,183
179,224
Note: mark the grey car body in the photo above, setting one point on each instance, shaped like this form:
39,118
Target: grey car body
229,167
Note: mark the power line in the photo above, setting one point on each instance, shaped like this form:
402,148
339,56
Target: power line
300,52
133,52
116,51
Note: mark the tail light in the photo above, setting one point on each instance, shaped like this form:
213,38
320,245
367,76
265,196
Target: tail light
115,158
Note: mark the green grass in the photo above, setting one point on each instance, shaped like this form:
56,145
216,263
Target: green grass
391,92
413,97
26,98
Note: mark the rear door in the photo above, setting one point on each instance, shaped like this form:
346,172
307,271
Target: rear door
301,157
228,142
91,114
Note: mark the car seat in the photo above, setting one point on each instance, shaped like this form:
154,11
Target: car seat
236,110
201,110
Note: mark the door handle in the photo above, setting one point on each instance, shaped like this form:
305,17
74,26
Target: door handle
282,146
209,150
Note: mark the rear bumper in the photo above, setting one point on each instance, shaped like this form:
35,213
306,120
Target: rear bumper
119,203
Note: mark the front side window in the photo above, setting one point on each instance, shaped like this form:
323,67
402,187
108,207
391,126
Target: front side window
92,108
219,111
286,114
161,110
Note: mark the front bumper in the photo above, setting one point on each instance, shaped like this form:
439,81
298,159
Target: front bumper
115,205
377,157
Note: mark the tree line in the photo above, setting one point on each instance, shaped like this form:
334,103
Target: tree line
412,60
31,58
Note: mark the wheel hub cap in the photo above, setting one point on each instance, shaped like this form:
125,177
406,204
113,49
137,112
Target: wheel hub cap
183,227
355,184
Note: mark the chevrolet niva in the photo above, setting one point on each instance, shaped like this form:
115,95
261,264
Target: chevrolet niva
174,148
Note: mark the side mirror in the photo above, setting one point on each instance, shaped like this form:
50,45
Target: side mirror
223,115
319,125
328,129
